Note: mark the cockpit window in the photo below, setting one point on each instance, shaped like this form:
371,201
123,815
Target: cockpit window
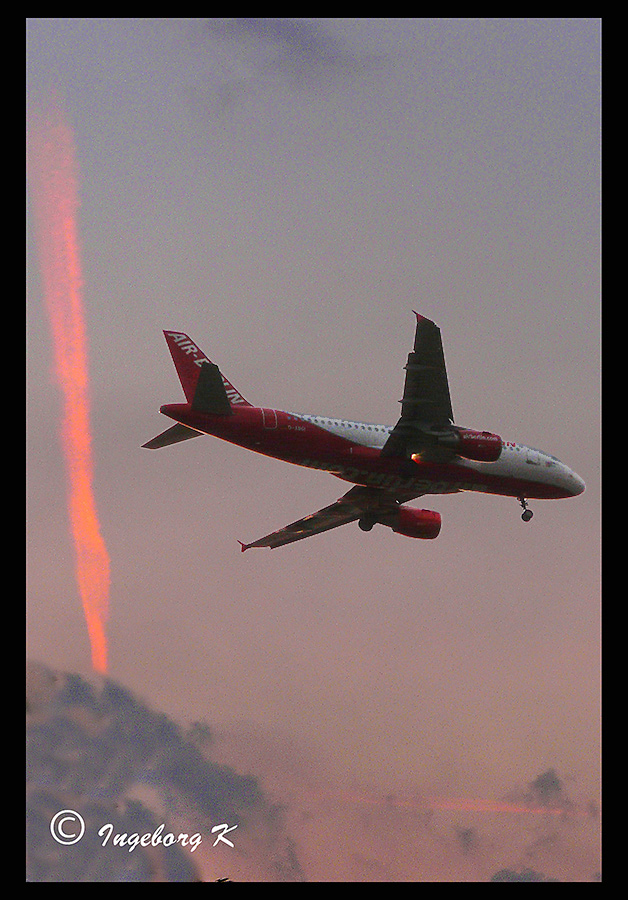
543,453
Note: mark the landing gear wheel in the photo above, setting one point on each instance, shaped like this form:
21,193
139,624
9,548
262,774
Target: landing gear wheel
365,524
527,514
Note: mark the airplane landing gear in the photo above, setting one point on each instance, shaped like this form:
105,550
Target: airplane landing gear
527,514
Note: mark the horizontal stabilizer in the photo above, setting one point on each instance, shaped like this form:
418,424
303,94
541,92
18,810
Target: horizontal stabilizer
173,435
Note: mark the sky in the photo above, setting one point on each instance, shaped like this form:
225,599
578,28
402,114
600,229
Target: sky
287,191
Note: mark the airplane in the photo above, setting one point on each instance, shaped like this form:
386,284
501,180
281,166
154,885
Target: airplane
424,453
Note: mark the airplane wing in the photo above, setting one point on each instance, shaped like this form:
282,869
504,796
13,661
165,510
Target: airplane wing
426,404
355,504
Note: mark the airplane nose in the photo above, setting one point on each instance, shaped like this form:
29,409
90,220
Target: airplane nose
577,484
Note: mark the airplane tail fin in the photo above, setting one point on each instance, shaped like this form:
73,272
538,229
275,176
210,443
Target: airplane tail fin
209,393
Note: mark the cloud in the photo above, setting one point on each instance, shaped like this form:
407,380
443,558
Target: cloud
467,838
299,44
95,748
548,789
523,875
251,52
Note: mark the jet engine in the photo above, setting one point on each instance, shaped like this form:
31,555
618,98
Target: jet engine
481,446
416,523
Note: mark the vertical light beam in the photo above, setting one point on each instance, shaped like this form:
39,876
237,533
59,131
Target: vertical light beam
54,190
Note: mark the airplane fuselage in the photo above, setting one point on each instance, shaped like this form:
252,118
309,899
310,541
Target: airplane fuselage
352,451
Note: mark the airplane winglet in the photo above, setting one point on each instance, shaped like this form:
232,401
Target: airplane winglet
243,547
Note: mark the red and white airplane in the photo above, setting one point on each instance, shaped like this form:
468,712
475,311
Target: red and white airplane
425,453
